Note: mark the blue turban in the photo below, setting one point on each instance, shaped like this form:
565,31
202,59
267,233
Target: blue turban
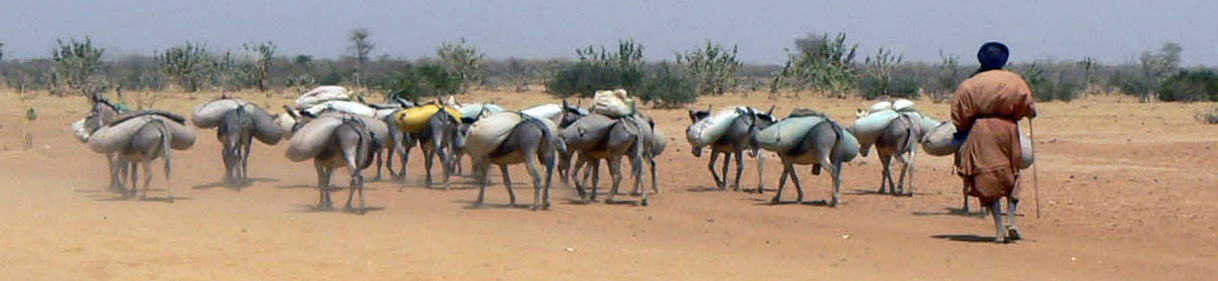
992,55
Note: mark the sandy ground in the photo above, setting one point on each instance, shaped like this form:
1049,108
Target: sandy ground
1127,192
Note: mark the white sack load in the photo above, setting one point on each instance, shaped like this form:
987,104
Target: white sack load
546,111
209,114
265,129
385,112
1026,158
848,148
708,130
880,106
78,129
869,128
343,107
903,105
939,143
285,122
586,132
311,138
472,110
486,134
788,133
926,123
616,103
320,95
115,137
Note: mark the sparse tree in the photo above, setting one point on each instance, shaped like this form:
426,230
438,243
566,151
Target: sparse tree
821,63
601,70
361,46
713,67
518,71
187,64
264,55
462,59
229,72
1153,68
77,63
948,77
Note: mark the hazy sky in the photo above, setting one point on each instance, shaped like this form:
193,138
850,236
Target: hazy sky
1112,31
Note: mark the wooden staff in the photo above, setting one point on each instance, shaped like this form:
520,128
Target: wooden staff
1035,180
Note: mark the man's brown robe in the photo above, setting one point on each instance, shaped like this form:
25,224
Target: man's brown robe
988,106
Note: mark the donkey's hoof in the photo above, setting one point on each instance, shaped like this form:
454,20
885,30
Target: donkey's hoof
643,202
774,201
1013,233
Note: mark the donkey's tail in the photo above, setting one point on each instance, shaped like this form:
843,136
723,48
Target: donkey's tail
550,136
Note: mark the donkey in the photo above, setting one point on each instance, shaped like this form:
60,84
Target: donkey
438,138
103,112
821,148
531,142
351,144
149,142
737,139
626,137
399,145
899,138
236,132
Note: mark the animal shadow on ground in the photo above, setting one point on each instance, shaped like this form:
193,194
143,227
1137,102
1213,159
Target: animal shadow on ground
970,239
119,198
949,211
314,209
223,183
866,192
310,186
765,201
520,205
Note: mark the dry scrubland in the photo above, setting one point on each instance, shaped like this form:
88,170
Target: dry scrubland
1128,192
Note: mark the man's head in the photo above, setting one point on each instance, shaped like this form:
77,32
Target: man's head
992,55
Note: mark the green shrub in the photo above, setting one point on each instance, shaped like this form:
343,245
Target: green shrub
669,88
585,78
413,82
1189,86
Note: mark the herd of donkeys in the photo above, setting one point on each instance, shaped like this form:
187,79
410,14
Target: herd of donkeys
333,130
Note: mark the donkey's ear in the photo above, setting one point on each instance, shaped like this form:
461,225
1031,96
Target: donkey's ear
565,105
692,116
771,111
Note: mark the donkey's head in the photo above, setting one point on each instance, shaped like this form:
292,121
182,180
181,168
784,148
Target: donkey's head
695,116
570,113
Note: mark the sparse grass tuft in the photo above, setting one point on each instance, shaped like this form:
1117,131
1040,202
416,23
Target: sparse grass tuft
1209,116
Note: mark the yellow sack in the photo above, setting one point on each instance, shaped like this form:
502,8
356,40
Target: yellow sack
414,119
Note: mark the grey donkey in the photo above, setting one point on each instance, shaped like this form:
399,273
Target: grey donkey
150,142
439,138
236,132
629,137
821,148
400,142
351,145
899,138
530,142
737,139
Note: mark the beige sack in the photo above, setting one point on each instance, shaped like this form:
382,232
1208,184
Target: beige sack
487,133
616,103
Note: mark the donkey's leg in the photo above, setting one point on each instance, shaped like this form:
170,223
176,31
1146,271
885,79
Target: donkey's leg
782,181
507,182
545,196
615,170
799,188
714,156
900,187
147,178
913,153
739,169
727,160
760,172
655,186
135,181
480,173
835,170
427,161
531,164
886,173
323,182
